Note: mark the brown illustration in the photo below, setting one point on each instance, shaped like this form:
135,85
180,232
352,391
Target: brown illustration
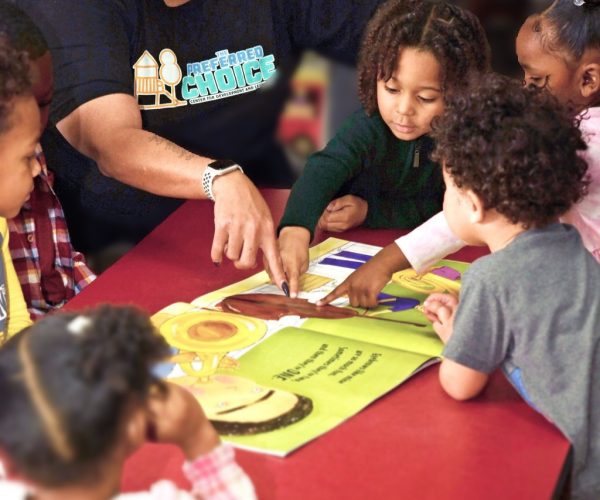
270,306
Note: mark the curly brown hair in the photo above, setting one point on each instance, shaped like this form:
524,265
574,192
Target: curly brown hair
14,80
453,35
515,147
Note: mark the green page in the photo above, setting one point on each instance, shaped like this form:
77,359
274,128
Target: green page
273,375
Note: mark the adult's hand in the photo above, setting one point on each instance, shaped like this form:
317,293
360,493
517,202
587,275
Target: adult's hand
344,213
243,225
109,130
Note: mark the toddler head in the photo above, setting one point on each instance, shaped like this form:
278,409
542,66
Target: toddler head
22,33
559,49
71,385
508,149
19,131
413,54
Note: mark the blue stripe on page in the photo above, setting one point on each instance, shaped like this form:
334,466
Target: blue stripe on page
354,255
350,264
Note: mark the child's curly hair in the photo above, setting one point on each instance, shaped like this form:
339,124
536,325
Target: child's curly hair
453,35
515,147
66,383
14,80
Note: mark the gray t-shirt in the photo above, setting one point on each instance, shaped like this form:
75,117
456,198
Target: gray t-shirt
533,308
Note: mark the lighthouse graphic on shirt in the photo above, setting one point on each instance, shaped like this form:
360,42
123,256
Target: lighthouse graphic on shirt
160,81
157,84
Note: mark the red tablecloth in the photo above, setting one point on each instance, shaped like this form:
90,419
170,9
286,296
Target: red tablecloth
415,442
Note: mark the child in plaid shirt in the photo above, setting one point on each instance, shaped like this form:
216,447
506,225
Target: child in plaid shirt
49,269
79,396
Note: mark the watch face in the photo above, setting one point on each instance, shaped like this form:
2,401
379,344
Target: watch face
221,164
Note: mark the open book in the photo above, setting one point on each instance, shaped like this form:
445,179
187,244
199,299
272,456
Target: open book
273,373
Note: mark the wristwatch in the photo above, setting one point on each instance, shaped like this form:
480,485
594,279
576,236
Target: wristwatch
215,169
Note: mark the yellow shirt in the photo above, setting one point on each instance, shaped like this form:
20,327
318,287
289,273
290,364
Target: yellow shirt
14,307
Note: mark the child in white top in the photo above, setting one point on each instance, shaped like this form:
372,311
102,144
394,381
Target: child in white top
558,49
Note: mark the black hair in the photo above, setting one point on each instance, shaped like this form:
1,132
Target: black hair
517,148
574,28
14,80
66,384
452,34
21,31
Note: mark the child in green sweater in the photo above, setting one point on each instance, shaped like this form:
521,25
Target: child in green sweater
376,169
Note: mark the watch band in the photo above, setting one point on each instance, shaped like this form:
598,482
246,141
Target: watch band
216,169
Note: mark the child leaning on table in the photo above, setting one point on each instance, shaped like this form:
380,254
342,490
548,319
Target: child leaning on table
19,134
50,271
531,307
79,397
558,49
377,168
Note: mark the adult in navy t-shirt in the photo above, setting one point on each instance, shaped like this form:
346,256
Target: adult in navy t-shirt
147,92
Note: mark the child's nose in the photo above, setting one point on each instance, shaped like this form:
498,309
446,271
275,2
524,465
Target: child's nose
404,105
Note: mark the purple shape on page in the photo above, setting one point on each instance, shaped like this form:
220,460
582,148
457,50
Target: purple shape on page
446,272
350,264
396,304
354,255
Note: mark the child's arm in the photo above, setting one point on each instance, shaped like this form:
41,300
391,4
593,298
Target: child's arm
364,284
421,248
459,381
18,316
176,417
431,241
324,175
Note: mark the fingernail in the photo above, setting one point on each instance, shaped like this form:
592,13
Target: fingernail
216,264
286,289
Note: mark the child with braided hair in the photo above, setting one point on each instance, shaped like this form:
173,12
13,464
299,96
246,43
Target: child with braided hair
376,170
79,396
558,49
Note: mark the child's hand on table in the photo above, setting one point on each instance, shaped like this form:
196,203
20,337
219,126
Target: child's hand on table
293,248
363,286
177,418
440,309
344,213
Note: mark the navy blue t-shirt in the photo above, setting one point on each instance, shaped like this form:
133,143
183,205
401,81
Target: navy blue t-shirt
210,75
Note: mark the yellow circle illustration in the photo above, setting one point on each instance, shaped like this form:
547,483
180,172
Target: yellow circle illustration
212,331
427,283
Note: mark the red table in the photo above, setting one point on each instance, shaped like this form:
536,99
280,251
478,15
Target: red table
415,442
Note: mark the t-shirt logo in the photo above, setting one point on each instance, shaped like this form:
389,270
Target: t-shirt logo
225,75
160,82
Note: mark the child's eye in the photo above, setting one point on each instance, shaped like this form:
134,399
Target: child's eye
426,99
391,90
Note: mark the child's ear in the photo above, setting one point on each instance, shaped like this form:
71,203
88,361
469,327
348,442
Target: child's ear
590,80
475,206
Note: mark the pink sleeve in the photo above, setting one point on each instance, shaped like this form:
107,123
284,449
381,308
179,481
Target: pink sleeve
585,215
217,476
428,243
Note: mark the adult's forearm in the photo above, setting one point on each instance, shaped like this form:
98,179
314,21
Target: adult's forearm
147,161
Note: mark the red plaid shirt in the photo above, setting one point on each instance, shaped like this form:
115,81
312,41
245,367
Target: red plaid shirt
49,269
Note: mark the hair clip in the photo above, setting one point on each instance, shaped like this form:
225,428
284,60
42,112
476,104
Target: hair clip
79,324
579,3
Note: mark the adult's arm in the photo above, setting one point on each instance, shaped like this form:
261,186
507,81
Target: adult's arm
108,129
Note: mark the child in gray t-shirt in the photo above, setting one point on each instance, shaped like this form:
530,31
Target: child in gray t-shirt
532,307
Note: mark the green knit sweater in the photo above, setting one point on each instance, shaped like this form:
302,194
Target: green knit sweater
401,185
